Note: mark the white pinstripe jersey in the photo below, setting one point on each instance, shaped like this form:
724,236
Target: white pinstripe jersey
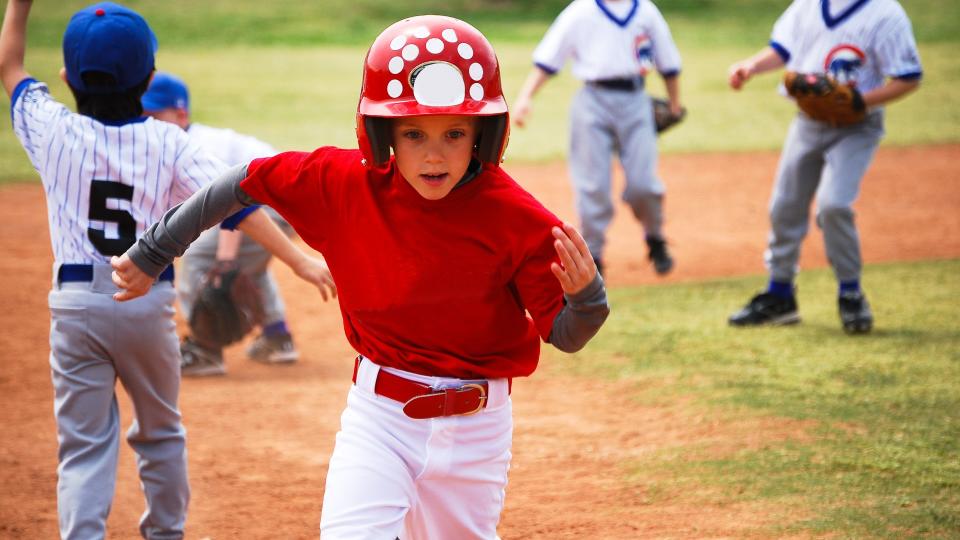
105,184
859,42
609,40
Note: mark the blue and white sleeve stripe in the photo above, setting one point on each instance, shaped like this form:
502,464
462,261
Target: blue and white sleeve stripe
897,52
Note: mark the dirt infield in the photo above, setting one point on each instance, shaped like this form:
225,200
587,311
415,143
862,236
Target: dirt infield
259,438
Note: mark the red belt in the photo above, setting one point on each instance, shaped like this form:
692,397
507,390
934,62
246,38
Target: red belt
421,401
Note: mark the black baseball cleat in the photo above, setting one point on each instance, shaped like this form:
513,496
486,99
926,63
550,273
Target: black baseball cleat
767,308
855,313
658,255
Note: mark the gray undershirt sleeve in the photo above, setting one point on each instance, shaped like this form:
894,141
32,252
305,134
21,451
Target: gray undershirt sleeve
581,318
182,224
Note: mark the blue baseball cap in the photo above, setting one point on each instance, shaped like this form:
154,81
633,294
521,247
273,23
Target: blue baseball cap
112,39
166,92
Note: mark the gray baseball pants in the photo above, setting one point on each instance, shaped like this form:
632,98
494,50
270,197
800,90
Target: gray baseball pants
95,341
827,163
604,121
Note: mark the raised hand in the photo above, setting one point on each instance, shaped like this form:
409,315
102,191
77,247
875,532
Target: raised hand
576,269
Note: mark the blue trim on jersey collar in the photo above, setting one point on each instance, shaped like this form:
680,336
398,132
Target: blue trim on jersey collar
22,85
830,21
622,23
17,90
118,123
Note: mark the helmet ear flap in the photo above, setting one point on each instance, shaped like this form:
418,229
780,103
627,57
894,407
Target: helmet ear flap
378,133
493,138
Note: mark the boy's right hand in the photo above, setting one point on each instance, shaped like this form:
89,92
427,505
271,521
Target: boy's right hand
130,278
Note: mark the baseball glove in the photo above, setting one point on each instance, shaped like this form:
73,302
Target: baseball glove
663,118
227,308
823,98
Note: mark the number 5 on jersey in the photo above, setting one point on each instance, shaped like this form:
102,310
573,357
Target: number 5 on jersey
100,191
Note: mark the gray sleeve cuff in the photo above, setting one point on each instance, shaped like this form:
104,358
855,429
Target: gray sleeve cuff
581,318
182,224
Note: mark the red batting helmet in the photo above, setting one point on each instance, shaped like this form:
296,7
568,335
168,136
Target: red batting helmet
431,65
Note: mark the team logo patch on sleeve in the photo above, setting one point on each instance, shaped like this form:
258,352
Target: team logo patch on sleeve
643,48
844,62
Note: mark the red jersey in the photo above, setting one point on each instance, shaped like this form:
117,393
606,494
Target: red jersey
436,287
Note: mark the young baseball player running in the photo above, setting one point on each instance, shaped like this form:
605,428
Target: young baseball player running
614,44
168,99
108,174
439,257
867,44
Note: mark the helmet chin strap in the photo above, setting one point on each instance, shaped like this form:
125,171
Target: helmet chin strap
378,133
493,132
472,171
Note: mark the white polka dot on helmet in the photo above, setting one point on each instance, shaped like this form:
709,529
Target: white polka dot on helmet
431,65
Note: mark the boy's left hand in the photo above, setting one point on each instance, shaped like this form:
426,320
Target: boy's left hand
576,269
130,278
314,270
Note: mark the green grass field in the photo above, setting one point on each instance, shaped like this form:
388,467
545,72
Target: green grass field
882,462
356,22
288,73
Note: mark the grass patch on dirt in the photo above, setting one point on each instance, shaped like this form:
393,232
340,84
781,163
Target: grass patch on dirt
882,460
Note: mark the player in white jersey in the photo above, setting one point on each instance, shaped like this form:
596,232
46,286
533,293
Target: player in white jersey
168,99
108,174
614,45
867,44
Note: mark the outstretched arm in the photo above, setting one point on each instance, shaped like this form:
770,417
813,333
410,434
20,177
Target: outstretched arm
13,38
259,227
521,107
170,237
768,59
586,297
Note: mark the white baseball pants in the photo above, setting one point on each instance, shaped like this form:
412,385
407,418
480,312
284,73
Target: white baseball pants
391,476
